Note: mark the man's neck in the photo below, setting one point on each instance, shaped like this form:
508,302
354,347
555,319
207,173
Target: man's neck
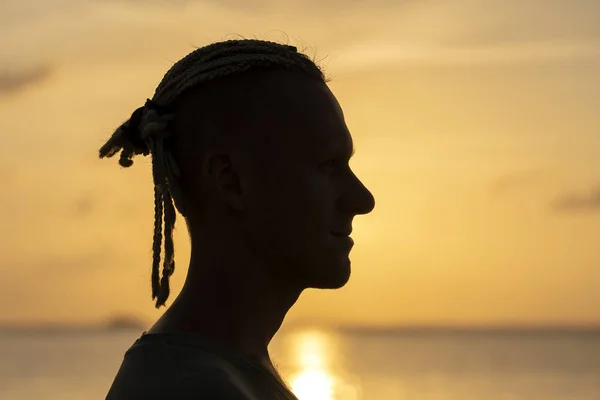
237,306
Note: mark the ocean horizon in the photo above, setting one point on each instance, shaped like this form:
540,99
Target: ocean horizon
120,322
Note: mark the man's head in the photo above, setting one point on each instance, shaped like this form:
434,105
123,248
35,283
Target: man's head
262,149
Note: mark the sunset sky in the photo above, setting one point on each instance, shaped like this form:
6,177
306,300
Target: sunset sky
476,123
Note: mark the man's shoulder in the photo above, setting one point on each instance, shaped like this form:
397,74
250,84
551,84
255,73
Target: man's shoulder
150,372
205,383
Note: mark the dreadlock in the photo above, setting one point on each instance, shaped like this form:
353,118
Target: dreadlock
147,128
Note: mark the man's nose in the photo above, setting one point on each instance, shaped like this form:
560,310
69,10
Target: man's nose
358,200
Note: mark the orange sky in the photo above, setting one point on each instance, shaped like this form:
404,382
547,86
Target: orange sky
476,123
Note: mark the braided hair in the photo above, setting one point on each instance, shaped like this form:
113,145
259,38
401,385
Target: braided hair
148,127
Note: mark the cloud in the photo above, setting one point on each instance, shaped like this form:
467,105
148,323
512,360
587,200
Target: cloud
12,81
152,2
578,202
257,4
84,205
58,266
377,53
517,180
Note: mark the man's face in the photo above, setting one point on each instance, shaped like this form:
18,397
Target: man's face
301,195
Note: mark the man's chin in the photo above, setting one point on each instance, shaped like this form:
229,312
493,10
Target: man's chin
335,285
337,279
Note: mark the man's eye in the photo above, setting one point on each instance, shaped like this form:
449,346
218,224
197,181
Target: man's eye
330,164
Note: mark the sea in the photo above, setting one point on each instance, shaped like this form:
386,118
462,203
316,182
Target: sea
321,364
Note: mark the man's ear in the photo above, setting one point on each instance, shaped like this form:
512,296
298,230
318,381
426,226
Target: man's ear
224,179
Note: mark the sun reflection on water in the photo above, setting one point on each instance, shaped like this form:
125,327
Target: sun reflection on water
314,384
318,372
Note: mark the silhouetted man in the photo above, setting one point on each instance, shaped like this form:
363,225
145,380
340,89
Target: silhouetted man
250,145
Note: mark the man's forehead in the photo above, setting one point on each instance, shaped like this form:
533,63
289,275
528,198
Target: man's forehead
278,113
305,114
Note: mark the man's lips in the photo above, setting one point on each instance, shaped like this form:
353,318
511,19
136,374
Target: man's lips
342,233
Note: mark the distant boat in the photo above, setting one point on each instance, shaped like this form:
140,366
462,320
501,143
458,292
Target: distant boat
125,323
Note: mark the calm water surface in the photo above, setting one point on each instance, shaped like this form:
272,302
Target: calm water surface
322,365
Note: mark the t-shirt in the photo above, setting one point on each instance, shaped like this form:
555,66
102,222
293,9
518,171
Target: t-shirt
181,366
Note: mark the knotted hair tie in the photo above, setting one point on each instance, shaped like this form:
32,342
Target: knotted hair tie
146,126
152,129
149,121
